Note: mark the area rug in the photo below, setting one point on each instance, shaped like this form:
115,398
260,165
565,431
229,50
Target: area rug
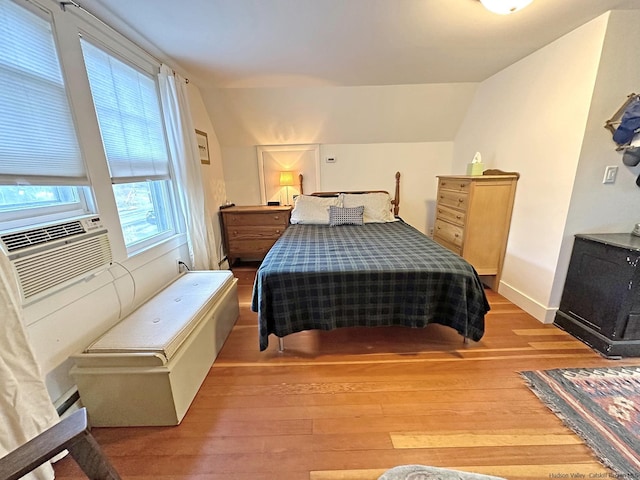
602,405
423,472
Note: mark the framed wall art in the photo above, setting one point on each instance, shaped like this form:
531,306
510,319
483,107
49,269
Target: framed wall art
203,147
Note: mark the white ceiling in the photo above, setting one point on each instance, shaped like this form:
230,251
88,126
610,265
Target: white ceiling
285,43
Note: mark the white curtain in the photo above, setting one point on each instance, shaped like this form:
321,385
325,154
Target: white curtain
25,406
185,156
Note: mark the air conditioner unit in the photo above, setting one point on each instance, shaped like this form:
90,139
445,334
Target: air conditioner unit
52,257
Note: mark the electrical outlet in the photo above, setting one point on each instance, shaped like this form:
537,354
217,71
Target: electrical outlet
330,159
610,173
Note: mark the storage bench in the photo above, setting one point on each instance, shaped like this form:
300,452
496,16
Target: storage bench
147,369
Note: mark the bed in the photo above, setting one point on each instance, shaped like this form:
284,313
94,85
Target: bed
359,273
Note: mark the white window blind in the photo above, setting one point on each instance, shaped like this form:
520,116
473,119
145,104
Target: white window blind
128,110
38,142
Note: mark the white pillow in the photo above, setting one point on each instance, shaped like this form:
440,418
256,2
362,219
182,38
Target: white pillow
377,206
310,210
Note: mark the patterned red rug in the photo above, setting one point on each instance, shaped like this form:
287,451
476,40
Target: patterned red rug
602,405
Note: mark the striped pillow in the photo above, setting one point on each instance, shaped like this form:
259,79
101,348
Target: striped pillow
346,216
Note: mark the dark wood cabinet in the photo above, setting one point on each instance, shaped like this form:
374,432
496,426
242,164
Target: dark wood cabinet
249,232
600,302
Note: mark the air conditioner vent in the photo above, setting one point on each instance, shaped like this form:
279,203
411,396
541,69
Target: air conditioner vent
52,257
28,238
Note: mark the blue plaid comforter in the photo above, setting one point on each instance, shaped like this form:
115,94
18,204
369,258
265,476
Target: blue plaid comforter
377,274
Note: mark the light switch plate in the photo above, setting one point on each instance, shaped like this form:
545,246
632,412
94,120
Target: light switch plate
610,173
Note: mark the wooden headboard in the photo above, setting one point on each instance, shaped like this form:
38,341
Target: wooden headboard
395,202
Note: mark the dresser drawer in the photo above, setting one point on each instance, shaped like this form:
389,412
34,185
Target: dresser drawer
448,232
449,246
252,219
453,199
250,248
450,215
235,233
454,185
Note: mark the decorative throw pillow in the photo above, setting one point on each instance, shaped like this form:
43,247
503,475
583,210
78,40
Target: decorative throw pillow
346,216
311,210
377,205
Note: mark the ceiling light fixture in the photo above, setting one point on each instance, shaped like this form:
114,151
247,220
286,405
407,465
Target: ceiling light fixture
505,7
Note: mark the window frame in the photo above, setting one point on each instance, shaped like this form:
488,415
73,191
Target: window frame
68,26
33,216
146,64
86,205
162,236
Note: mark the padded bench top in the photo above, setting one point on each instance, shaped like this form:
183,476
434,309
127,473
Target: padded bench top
162,323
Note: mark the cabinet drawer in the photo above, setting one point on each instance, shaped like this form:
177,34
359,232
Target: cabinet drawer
250,248
235,233
453,199
454,185
450,215
268,218
450,246
449,233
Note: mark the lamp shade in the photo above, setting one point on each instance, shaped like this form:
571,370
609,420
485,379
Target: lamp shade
286,179
505,7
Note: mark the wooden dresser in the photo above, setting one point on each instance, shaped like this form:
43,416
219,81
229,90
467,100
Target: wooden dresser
249,232
473,215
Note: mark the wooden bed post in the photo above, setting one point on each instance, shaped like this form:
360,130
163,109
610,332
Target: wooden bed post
300,180
396,200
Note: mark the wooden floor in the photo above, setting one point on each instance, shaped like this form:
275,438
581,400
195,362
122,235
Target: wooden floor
349,404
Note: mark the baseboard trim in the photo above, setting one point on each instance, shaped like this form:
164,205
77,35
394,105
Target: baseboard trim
534,308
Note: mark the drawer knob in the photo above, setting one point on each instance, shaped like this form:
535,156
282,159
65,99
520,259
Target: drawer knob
458,217
456,235
276,217
461,200
444,183
462,185
277,231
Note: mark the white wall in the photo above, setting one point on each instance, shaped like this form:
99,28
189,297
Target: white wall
596,207
531,118
373,167
370,166
367,114
212,174
373,131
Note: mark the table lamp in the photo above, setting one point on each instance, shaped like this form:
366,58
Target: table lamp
286,180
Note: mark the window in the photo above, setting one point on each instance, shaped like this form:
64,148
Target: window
16,201
41,166
127,106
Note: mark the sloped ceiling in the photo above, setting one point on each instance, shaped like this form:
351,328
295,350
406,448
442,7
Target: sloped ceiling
293,43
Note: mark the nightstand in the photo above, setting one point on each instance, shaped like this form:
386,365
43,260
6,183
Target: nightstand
250,231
